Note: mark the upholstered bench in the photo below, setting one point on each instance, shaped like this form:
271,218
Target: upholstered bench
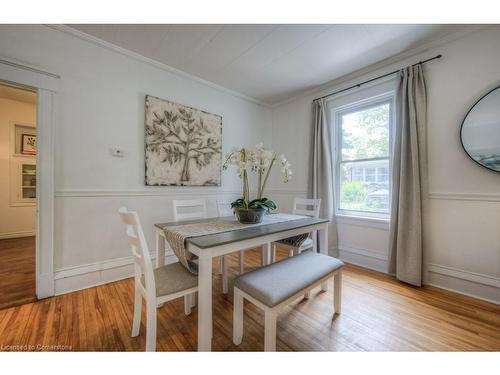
277,285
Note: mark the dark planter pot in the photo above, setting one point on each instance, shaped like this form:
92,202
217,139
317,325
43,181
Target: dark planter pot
250,215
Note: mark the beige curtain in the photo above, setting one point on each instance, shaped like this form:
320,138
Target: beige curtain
409,177
321,171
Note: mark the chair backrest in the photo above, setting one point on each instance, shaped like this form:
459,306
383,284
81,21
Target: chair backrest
306,207
194,209
140,250
224,208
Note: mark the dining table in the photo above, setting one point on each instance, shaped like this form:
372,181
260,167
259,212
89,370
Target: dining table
206,247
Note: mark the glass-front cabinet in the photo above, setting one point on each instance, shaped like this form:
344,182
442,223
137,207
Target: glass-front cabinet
23,189
28,175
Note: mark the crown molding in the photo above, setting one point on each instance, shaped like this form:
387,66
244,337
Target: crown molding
338,82
374,69
123,51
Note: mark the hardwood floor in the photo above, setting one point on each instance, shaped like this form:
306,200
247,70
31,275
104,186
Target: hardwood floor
378,314
17,271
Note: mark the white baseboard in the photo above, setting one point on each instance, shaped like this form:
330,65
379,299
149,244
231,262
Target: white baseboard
484,287
28,233
44,286
477,278
481,286
364,258
71,279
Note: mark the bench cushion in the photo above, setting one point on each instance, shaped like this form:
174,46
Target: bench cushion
274,283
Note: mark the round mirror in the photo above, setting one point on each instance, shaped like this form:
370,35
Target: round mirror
480,132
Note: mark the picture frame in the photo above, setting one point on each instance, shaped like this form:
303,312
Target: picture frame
183,145
28,144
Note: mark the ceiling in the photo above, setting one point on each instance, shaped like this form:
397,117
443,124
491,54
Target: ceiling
20,95
270,63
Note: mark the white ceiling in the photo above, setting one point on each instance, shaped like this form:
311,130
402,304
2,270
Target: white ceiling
267,62
20,95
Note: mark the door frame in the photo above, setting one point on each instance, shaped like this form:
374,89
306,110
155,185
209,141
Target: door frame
46,85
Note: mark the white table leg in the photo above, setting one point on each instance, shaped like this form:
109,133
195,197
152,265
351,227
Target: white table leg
323,248
266,254
160,248
315,240
204,302
225,287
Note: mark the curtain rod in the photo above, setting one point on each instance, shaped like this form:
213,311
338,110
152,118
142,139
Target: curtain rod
376,78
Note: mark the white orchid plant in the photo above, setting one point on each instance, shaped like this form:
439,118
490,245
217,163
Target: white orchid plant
261,161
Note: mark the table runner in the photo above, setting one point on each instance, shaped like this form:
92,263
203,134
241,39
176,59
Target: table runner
176,234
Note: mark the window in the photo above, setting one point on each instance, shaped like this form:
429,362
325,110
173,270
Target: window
362,154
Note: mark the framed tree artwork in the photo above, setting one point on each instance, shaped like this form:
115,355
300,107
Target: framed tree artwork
183,145
28,144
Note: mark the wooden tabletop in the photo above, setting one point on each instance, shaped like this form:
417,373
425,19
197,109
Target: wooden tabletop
211,240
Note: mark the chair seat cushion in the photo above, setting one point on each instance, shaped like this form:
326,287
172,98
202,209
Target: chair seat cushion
173,278
279,281
297,242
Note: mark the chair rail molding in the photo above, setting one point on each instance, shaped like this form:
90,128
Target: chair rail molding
464,196
295,192
144,192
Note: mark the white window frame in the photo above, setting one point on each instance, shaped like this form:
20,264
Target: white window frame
336,113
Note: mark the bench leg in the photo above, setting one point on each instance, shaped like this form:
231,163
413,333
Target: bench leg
337,292
237,317
270,331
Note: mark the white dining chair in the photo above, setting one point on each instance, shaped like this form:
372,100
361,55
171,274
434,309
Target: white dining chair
191,209
194,209
306,207
156,286
224,209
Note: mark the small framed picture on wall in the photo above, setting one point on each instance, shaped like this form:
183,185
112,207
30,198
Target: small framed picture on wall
28,144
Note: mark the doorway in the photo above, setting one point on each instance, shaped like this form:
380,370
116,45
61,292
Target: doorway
18,195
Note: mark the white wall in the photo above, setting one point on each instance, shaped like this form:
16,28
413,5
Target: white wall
463,236
15,221
101,105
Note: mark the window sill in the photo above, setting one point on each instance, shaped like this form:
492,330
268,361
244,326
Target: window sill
363,221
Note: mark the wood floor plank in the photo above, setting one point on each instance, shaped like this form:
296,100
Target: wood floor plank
17,271
379,314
